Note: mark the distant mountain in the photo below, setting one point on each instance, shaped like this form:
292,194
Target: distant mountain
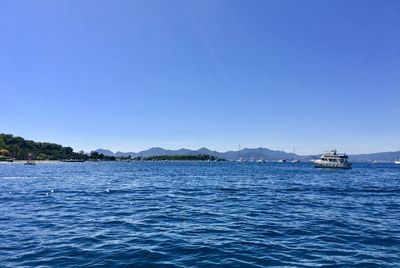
157,151
160,151
384,157
105,152
250,154
259,153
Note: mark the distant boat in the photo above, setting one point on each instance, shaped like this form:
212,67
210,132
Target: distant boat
30,160
333,160
397,162
240,159
282,161
260,160
294,153
73,160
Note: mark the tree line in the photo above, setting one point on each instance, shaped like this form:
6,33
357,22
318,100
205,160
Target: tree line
21,149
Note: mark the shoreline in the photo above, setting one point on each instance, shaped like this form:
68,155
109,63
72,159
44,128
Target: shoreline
36,161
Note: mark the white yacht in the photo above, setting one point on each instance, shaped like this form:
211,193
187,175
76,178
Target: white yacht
397,162
333,160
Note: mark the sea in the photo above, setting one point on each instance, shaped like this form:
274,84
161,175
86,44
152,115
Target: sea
198,214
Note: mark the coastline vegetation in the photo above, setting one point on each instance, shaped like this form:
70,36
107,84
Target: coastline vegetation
17,148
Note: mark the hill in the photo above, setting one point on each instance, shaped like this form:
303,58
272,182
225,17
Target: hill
247,153
383,157
21,149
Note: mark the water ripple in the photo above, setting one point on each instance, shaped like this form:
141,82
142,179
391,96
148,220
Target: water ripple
199,214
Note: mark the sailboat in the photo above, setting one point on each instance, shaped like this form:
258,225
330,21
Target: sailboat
240,160
282,160
397,162
30,160
294,153
261,160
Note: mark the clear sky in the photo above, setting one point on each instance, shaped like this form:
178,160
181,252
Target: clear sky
129,75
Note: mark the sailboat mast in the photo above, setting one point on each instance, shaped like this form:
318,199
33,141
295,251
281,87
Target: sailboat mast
294,152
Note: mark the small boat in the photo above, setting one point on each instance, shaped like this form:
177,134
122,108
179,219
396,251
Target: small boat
397,162
282,161
240,159
30,162
332,159
260,155
73,160
294,153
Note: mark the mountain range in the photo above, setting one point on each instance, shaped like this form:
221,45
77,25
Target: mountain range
250,154
19,148
257,153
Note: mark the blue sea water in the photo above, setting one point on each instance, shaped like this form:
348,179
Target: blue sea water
185,214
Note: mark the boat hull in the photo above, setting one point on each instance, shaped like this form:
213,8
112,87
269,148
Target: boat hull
323,164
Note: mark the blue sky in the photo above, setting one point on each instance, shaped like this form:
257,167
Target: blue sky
129,75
